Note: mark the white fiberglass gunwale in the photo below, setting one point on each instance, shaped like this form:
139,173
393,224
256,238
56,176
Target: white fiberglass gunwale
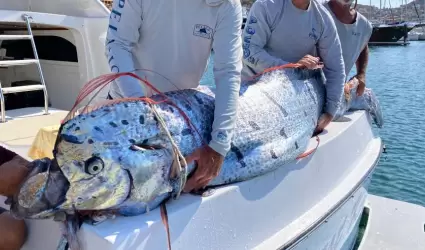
284,207
292,243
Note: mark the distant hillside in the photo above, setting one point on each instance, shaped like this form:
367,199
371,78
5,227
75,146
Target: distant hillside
403,13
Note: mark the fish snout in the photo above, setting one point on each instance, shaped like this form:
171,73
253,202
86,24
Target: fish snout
41,193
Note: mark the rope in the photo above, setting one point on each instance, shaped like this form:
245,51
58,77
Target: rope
307,153
164,217
176,166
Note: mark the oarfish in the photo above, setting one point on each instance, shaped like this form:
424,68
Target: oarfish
118,157
367,101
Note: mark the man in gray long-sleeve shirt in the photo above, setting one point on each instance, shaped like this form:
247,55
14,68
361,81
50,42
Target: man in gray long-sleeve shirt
288,31
172,40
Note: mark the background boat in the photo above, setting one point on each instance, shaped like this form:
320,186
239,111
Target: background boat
391,33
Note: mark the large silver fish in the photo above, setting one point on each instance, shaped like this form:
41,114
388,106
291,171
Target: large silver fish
118,158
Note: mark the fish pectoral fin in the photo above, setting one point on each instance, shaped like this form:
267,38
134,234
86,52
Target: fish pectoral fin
137,148
144,147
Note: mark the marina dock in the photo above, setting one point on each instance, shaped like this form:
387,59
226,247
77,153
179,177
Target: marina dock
393,225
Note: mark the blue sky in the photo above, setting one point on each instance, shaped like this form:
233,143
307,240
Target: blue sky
394,3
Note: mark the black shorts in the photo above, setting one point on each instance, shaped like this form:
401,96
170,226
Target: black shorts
6,155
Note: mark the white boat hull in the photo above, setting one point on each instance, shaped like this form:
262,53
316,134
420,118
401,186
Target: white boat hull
339,230
413,37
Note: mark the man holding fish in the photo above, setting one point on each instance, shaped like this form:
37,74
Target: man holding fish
354,32
169,43
296,31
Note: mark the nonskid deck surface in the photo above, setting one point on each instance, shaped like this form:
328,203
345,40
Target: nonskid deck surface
393,225
22,125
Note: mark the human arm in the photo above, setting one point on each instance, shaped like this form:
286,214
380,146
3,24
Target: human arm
258,28
13,171
363,58
122,35
330,51
227,73
361,65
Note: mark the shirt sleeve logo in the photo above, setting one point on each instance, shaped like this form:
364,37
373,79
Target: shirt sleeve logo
222,137
203,31
313,35
355,33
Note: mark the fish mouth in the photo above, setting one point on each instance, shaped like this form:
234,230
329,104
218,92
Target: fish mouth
42,192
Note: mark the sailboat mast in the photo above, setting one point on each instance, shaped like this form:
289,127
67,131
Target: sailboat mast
371,9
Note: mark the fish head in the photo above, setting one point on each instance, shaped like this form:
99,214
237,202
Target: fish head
96,167
82,176
96,178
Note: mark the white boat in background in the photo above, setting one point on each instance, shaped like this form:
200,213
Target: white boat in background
413,36
421,36
313,203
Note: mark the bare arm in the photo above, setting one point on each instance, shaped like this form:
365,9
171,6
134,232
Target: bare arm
331,54
362,61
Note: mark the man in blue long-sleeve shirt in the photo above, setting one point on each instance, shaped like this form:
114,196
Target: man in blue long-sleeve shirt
289,31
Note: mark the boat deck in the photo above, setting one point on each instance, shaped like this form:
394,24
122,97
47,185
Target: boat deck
393,225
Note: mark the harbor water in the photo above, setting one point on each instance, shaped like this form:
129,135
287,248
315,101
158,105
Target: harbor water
397,75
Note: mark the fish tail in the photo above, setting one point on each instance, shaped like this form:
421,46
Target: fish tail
374,107
370,103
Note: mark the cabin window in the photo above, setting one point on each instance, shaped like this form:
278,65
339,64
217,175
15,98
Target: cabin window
60,57
51,48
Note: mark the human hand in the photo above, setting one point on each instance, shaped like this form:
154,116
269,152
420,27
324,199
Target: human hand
12,174
324,121
348,86
362,84
13,231
209,165
311,62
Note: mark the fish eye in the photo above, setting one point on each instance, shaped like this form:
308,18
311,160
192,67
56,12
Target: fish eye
94,165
